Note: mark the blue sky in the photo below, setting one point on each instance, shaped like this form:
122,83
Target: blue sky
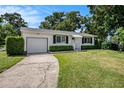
35,14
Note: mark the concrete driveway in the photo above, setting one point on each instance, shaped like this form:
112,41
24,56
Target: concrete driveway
35,71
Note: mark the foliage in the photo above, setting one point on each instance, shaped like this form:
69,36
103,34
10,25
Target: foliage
88,47
15,20
104,20
10,24
70,21
121,35
14,45
66,25
60,48
115,39
8,61
114,46
106,45
6,30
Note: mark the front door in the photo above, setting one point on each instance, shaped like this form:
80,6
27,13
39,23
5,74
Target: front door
77,43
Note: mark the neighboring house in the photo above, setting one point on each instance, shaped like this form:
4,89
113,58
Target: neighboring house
39,40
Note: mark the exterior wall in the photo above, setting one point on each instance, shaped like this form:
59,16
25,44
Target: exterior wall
76,42
48,36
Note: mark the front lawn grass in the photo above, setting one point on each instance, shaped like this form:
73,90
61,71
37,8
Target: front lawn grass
8,61
91,69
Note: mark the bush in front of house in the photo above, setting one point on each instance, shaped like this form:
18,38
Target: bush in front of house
60,48
88,47
14,45
106,45
109,45
114,46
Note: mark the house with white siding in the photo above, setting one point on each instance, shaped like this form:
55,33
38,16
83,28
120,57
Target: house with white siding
39,40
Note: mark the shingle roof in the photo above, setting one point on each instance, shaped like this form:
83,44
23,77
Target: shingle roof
25,29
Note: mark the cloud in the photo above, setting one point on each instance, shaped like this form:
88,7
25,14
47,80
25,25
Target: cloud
31,14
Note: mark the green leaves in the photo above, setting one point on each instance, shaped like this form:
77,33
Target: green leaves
121,35
105,20
15,45
10,24
70,21
15,20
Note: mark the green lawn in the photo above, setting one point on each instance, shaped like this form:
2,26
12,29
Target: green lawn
92,68
8,61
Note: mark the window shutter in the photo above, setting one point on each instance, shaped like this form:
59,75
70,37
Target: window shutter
67,39
83,40
54,39
91,40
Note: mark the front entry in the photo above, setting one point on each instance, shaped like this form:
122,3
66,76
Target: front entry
77,43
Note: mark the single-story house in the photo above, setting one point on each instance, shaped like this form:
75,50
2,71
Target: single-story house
39,40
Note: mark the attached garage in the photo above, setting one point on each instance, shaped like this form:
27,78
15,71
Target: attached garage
36,45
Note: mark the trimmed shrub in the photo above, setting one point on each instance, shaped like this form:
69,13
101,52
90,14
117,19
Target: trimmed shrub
121,47
88,47
114,46
60,48
106,45
14,45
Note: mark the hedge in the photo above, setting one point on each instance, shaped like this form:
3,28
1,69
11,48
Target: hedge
60,48
106,45
88,47
14,45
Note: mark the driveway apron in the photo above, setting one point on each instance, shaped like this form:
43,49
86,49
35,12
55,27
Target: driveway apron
34,71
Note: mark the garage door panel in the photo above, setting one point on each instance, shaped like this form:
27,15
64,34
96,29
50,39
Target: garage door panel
36,45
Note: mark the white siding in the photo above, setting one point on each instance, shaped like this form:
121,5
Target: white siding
49,36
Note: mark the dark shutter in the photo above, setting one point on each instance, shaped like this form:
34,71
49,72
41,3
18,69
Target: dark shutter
83,40
91,40
67,39
54,39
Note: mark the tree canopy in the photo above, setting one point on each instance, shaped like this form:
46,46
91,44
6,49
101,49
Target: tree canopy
15,20
104,20
10,24
70,21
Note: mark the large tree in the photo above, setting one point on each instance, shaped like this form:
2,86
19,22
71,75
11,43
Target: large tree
15,20
105,20
70,21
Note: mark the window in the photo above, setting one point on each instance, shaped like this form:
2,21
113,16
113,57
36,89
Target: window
60,38
87,40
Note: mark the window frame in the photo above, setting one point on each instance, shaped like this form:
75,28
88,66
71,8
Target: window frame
62,38
87,40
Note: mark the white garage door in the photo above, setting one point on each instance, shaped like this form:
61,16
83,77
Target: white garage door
36,45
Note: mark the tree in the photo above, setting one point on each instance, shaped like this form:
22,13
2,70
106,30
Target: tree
66,25
105,20
52,21
15,20
6,30
121,35
118,38
70,21
115,39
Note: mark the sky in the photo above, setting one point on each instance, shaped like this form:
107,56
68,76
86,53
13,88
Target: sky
36,13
